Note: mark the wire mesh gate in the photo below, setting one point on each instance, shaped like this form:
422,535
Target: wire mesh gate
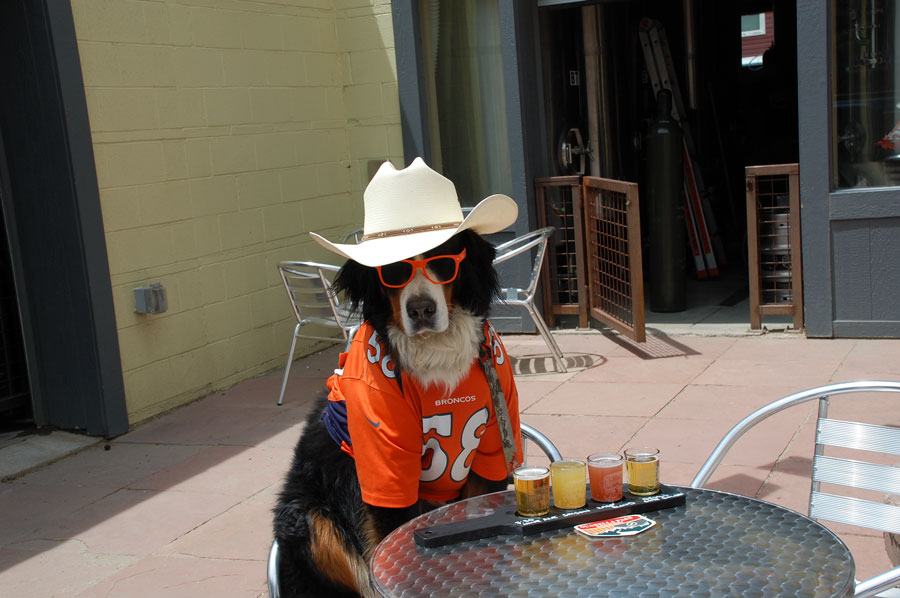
595,259
773,242
615,273
565,286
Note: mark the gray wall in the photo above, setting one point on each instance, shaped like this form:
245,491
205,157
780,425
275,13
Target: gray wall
851,238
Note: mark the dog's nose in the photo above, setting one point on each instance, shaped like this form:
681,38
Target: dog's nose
421,309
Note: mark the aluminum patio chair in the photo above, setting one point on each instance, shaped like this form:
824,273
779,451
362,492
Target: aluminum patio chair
524,244
308,285
528,433
839,473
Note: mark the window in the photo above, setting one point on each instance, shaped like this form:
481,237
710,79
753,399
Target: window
466,99
753,25
865,103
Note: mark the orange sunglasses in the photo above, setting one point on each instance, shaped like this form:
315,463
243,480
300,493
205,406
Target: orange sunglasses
444,269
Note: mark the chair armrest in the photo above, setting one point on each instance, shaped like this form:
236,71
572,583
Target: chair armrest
353,235
879,583
545,444
294,264
820,392
519,245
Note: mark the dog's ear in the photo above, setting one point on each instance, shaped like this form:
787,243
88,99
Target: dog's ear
351,280
358,283
362,288
477,283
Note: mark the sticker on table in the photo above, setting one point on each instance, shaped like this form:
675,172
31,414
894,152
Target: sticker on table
617,527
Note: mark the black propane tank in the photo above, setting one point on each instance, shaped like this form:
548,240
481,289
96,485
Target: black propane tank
665,191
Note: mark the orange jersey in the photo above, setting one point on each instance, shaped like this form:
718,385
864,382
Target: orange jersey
417,443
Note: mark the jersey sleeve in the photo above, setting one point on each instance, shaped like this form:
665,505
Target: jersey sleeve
387,443
489,461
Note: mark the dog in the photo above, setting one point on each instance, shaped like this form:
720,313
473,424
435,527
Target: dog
426,335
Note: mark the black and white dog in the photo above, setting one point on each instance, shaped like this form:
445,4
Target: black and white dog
425,319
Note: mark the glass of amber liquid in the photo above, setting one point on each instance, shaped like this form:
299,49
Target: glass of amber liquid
567,479
642,467
605,473
532,484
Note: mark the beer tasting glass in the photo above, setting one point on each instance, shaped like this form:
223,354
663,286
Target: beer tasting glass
642,466
605,473
532,485
567,479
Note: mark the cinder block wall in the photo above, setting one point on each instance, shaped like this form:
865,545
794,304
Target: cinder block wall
223,132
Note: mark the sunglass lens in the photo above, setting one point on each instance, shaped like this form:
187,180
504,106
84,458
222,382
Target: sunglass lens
442,269
397,274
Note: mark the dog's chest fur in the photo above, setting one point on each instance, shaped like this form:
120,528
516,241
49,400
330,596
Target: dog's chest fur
440,359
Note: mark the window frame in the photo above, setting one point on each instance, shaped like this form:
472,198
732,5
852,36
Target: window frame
761,30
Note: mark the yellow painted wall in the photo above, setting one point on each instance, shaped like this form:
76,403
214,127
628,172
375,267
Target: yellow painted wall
224,131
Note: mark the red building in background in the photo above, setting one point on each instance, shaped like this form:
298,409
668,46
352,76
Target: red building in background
757,34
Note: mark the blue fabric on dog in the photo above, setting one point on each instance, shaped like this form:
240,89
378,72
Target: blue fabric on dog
335,419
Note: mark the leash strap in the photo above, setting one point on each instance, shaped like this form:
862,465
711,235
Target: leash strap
499,399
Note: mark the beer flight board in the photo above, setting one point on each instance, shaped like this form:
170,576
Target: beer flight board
508,523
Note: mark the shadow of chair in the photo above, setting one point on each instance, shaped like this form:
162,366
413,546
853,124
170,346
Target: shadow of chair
524,244
308,285
839,474
529,433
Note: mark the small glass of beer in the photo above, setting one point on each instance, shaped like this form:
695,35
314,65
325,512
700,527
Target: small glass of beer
567,479
605,473
532,485
642,466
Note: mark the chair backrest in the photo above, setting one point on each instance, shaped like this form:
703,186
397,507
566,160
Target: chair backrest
854,473
308,285
536,239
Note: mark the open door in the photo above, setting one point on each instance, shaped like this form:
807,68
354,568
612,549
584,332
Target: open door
613,238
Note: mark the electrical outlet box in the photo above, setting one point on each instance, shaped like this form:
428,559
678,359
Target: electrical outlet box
151,299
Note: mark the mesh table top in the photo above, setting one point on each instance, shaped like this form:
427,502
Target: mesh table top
717,544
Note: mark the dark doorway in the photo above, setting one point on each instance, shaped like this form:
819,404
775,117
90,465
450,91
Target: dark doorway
51,209
15,397
739,112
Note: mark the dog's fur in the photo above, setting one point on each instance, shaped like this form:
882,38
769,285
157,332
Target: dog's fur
326,533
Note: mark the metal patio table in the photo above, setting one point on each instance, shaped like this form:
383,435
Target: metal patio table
717,544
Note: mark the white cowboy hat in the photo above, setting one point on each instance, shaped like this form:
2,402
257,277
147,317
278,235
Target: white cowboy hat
413,210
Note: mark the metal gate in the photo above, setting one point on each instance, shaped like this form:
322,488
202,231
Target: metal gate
599,232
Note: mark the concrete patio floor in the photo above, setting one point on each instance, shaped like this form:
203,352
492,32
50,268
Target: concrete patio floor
180,506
